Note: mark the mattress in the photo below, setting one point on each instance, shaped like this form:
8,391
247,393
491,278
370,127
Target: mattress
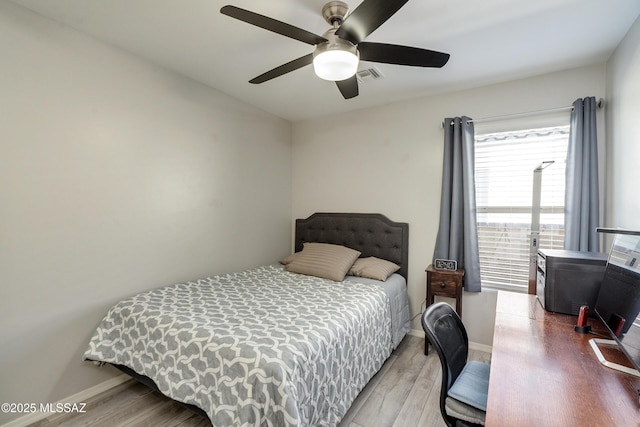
258,347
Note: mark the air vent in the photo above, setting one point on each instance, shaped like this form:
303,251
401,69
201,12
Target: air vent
369,75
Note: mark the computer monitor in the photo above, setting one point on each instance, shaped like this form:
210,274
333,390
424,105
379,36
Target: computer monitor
618,302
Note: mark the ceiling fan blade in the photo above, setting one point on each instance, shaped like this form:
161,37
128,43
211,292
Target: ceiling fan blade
349,87
402,55
366,18
272,25
283,69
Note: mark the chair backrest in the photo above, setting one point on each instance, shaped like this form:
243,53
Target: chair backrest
445,331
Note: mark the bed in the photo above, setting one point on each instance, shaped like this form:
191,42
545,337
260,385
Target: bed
277,344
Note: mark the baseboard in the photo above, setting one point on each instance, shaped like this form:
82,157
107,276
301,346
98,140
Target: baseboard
416,333
82,396
480,347
472,345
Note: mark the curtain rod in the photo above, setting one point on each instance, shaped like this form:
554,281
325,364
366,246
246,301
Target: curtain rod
600,104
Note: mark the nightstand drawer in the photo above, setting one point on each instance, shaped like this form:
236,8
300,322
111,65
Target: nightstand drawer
444,285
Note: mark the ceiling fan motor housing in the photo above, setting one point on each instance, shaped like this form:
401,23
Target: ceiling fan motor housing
334,12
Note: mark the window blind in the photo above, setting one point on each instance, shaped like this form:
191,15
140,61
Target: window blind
504,164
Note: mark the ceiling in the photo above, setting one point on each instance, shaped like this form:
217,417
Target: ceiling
489,41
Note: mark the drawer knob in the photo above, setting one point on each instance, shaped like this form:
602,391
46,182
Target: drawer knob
443,285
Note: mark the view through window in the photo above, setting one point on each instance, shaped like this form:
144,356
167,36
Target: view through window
504,164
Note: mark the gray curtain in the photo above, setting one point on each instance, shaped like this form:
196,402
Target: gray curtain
582,208
457,233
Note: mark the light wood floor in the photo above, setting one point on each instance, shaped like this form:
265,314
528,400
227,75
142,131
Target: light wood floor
404,393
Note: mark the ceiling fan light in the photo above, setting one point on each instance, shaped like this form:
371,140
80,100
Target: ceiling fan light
336,59
335,65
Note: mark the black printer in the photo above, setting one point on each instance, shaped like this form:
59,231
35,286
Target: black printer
566,280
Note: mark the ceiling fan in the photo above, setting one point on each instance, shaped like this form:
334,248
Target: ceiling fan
338,51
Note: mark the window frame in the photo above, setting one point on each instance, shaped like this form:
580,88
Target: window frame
519,265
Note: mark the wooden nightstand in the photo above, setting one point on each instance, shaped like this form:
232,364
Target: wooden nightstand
444,283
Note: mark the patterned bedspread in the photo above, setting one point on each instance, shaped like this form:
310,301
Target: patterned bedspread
260,347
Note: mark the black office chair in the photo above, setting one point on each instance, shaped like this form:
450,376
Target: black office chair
465,384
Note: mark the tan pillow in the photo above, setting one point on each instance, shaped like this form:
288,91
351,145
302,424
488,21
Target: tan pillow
288,259
373,268
323,260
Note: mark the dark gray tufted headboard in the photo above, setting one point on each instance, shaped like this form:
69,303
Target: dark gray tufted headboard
372,234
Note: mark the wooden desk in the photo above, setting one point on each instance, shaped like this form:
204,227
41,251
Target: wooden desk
543,373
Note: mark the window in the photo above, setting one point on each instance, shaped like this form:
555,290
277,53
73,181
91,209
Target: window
504,164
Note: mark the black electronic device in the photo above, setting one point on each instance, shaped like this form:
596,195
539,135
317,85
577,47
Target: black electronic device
618,302
446,264
567,280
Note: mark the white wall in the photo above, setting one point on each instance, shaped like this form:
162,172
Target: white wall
389,160
116,176
623,148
